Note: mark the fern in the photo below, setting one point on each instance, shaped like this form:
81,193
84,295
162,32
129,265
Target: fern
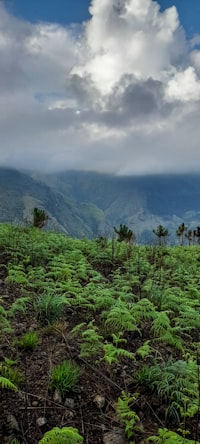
20,305
166,436
66,435
91,341
5,383
144,351
127,416
120,319
112,354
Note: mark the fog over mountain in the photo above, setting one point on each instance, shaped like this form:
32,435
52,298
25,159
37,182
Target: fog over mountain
119,94
91,204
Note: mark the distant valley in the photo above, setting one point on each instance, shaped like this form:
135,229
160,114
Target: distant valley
90,204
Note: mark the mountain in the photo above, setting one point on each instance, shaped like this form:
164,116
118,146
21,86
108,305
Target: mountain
89,204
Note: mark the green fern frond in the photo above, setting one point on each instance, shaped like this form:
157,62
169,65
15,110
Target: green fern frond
7,384
127,416
120,319
144,350
20,305
66,435
112,354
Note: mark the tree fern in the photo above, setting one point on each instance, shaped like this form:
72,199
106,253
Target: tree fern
66,435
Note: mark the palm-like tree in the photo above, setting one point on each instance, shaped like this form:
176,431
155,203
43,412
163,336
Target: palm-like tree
125,234
162,233
40,218
190,236
197,234
181,232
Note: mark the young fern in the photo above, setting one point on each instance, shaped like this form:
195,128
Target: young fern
91,341
66,435
166,436
127,416
112,354
120,319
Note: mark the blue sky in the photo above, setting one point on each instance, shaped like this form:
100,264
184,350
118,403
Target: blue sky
67,11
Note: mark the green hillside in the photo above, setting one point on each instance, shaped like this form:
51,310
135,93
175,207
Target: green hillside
99,340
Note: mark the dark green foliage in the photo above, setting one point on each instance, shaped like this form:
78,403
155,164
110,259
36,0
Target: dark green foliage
162,233
181,232
125,234
40,218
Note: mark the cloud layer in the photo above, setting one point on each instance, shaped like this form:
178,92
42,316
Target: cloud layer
120,94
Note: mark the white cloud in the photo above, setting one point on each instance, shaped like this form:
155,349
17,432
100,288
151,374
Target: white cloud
184,86
122,95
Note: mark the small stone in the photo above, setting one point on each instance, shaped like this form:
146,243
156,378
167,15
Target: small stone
41,421
35,403
100,401
117,436
57,397
69,402
33,327
69,414
12,423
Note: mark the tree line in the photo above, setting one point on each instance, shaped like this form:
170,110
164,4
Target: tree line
162,233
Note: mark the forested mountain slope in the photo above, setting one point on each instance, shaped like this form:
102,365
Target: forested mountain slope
88,203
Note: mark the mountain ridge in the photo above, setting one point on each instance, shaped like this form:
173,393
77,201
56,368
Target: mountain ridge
90,204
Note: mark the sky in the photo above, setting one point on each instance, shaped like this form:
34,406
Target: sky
115,88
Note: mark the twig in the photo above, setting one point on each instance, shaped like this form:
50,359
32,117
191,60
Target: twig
158,419
82,423
95,370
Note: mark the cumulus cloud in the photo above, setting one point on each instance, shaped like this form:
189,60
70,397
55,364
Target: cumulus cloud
120,94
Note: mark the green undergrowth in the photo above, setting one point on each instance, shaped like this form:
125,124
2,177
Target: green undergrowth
137,314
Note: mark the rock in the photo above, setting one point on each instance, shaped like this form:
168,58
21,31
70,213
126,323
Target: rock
68,414
41,421
35,403
33,327
12,423
117,436
57,397
69,402
100,401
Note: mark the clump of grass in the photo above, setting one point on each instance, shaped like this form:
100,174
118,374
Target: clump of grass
49,308
64,376
29,341
10,372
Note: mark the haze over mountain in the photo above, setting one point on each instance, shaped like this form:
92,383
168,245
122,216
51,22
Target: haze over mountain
90,204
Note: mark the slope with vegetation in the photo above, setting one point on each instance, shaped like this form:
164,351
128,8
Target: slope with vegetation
89,204
99,340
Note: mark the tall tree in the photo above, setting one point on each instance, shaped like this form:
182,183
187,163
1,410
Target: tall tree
125,234
181,232
162,233
40,218
197,234
190,236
